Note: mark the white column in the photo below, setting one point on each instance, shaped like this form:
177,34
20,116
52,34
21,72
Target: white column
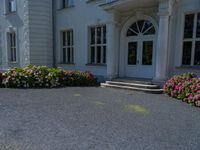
111,50
165,8
162,48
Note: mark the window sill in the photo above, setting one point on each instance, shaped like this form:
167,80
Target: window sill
96,65
12,62
189,67
10,13
88,1
71,64
66,8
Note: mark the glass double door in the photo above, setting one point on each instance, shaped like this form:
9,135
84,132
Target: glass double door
140,58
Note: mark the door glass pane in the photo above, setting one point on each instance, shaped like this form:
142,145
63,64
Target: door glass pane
187,52
132,53
198,26
189,24
150,31
147,26
140,24
147,53
133,30
197,54
131,33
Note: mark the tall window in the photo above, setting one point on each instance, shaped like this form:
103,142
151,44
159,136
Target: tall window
12,47
68,46
191,42
98,45
11,6
67,3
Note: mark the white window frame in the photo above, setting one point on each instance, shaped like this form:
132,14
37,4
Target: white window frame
70,47
95,45
12,46
10,6
194,39
66,4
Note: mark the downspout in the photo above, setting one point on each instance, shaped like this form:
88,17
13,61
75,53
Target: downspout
54,31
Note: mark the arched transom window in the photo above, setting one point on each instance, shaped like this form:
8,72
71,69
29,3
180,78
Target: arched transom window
141,27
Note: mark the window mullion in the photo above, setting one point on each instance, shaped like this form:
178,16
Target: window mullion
12,54
67,46
71,46
194,39
71,49
102,35
95,49
15,54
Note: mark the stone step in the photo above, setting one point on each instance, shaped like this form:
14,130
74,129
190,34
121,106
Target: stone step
136,81
139,85
154,91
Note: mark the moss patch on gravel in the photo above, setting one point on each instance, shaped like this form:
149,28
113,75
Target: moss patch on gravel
136,109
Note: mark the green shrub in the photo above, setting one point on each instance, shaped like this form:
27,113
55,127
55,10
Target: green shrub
185,87
42,76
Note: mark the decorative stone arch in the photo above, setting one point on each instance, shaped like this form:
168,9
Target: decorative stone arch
123,36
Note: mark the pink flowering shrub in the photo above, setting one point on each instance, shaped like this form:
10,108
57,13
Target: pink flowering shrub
44,77
185,87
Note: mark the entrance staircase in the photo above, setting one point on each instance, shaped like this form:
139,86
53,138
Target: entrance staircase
143,85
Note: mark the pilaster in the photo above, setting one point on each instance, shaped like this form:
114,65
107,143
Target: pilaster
112,48
165,11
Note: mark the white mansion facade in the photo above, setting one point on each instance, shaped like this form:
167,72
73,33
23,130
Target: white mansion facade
111,38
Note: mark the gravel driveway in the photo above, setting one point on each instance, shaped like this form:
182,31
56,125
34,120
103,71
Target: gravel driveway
95,119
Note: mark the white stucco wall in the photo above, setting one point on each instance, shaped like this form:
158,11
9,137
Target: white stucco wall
176,36
80,18
32,23
16,22
41,32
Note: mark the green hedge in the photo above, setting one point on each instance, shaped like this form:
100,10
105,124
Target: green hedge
44,77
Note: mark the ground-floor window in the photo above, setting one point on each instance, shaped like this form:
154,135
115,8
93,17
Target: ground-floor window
12,47
11,6
97,45
67,3
191,41
68,46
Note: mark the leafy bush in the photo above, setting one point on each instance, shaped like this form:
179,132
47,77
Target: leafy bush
42,76
185,87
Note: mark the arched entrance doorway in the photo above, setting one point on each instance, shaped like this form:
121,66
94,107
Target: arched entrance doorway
139,48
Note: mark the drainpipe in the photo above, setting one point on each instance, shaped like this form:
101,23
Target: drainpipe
54,31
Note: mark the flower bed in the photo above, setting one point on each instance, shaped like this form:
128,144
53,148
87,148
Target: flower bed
44,77
185,87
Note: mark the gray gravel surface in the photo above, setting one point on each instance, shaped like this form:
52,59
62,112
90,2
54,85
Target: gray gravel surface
95,119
